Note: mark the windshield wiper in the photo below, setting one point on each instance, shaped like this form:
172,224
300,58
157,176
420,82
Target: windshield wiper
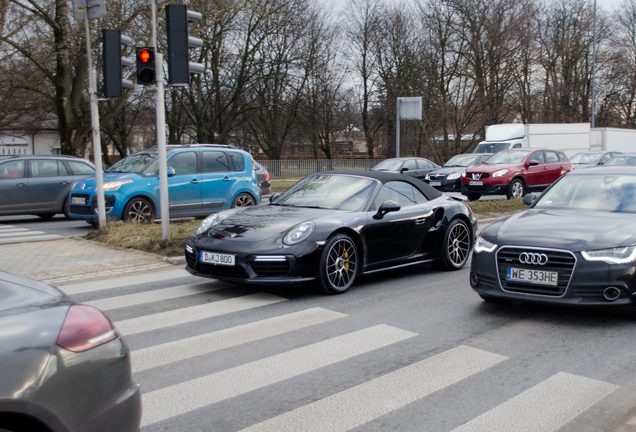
314,207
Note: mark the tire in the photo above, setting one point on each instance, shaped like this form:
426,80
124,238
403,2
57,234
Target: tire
66,209
243,200
338,264
473,197
138,210
457,246
46,216
517,189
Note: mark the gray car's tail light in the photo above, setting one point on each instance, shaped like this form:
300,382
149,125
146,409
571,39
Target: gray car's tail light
85,327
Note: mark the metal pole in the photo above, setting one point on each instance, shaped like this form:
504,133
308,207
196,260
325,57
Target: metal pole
397,128
97,143
593,64
161,134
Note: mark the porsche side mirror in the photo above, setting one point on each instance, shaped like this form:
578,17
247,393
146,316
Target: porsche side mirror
529,199
273,197
171,172
533,163
386,207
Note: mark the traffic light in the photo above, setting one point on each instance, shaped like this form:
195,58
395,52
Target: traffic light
179,64
146,67
112,62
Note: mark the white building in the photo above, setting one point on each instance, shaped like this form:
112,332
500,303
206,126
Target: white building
42,142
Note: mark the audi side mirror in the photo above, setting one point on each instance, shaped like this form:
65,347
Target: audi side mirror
386,207
533,163
529,199
403,169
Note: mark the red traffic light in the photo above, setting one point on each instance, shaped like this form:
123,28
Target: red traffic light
145,56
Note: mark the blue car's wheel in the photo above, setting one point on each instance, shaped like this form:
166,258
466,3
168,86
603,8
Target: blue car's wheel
338,264
243,200
138,210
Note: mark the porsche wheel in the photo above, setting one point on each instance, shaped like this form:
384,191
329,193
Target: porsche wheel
138,210
338,264
243,200
457,245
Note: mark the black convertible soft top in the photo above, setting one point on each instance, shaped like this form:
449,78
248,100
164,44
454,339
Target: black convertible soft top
429,192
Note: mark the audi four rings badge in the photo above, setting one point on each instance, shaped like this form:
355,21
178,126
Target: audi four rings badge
533,258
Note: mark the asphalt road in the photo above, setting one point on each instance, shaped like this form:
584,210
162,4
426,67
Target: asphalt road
406,350
18,229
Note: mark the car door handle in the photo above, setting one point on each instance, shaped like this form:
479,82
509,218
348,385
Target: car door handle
194,181
65,182
21,184
420,221
226,179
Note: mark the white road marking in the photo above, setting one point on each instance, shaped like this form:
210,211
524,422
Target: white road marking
195,313
4,227
365,402
16,231
22,239
152,296
187,348
187,396
543,408
123,281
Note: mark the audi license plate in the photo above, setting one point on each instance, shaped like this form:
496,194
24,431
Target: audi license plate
436,183
539,277
79,200
476,183
217,258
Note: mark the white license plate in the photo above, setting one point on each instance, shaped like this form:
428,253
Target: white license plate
539,277
217,258
436,183
476,183
79,200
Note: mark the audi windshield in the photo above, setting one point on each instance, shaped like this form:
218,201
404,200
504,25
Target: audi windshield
598,192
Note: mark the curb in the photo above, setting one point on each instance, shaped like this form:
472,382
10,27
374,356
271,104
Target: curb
175,260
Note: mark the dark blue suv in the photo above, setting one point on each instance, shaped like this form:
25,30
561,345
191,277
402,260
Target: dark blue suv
202,179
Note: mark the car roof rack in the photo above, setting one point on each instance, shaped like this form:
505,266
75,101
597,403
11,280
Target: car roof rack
175,146
40,156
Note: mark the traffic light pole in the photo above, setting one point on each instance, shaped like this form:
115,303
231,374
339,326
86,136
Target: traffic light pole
97,143
161,134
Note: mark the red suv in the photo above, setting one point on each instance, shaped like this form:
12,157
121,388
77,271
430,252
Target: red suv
515,172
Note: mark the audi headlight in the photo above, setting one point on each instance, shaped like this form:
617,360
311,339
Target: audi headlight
209,222
453,176
115,185
482,245
299,233
620,255
500,173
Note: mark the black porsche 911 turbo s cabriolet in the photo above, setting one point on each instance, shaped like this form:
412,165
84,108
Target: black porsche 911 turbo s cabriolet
575,245
333,226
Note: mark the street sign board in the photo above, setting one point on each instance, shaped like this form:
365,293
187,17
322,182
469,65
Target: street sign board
96,9
410,108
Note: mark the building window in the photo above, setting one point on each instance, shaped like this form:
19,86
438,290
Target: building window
56,151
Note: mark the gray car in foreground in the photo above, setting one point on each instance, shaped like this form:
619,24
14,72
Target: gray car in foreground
63,366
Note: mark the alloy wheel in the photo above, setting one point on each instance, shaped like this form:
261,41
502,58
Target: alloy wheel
517,189
458,244
243,200
342,262
140,212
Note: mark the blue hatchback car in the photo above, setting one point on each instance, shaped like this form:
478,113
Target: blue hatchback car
202,179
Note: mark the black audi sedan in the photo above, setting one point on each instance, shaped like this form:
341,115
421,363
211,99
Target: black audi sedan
575,245
331,227
448,178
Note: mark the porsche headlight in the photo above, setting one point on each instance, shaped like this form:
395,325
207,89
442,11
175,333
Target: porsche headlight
115,185
299,233
209,222
453,176
620,255
500,173
482,245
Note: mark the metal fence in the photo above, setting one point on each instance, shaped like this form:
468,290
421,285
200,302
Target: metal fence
301,168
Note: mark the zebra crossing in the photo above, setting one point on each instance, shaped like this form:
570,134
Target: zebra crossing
14,234
181,379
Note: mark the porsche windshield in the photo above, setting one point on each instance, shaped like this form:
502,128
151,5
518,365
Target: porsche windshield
134,163
334,192
597,192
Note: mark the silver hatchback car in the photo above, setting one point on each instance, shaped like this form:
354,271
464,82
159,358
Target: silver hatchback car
39,185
